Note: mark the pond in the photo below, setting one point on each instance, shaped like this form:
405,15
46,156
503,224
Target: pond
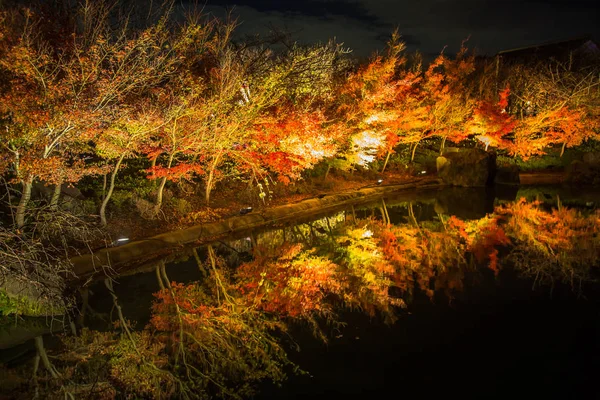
466,292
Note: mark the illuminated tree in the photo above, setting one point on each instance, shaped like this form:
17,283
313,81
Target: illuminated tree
243,101
491,123
126,69
124,139
178,140
41,111
554,103
446,94
63,92
379,103
569,127
288,141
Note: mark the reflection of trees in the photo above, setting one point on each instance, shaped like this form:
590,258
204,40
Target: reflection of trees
561,244
220,335
217,342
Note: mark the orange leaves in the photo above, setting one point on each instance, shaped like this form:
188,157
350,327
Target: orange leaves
290,282
288,141
503,95
374,84
393,100
559,243
551,232
567,126
381,98
423,255
56,170
491,123
562,125
420,256
175,173
485,239
219,332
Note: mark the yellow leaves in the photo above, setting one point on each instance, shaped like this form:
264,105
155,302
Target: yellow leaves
365,146
205,215
549,232
561,243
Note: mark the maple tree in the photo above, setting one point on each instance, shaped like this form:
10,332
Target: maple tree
380,104
124,139
446,96
290,282
41,109
183,109
242,103
176,141
288,141
553,104
565,126
127,70
491,123
70,93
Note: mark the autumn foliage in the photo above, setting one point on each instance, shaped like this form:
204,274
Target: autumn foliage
81,98
95,99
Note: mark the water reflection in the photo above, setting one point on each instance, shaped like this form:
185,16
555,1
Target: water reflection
215,324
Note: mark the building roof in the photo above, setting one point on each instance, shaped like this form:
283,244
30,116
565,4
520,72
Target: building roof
582,48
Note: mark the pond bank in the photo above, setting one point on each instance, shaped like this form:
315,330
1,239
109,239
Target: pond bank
114,260
542,178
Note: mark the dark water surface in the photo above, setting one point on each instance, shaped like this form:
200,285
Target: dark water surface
503,341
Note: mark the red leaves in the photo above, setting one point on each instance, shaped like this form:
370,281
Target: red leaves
491,123
488,237
289,282
186,298
175,173
56,169
568,126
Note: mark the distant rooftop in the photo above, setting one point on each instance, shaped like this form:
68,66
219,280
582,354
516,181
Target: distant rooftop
579,48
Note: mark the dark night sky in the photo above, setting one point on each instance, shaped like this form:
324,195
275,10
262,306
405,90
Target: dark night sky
426,25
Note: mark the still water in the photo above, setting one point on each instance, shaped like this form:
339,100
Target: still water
460,292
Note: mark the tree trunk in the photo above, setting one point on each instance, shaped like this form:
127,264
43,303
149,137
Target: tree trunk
387,158
562,151
104,188
412,156
158,278
327,172
152,165
56,196
161,187
111,188
387,214
199,262
442,146
411,214
25,197
211,177
209,183
486,146
41,352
